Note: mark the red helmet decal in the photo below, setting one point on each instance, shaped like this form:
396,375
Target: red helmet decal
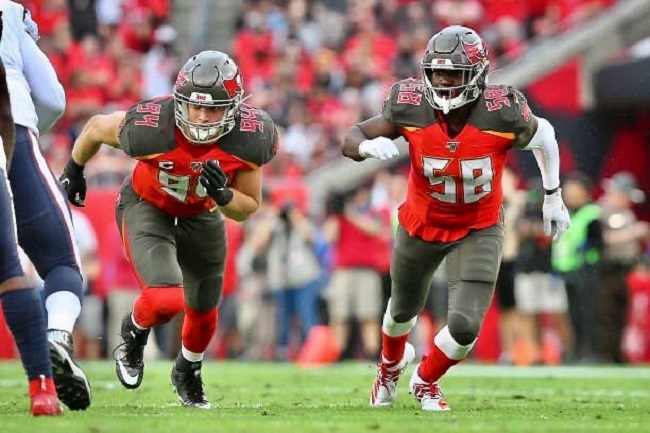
233,86
475,52
182,78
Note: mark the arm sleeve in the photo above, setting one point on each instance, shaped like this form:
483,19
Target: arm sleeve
547,153
47,92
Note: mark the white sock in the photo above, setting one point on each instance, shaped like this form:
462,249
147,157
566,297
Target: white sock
393,328
191,356
63,308
450,347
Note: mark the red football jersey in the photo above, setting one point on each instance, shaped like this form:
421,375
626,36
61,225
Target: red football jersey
455,183
168,168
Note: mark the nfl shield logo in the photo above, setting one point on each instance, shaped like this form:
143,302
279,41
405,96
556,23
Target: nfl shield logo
195,166
453,145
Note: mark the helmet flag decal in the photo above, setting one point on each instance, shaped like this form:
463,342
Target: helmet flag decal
475,52
182,78
233,86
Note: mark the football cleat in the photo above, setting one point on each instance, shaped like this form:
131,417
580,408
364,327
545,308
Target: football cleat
44,401
189,386
384,390
71,383
128,356
428,394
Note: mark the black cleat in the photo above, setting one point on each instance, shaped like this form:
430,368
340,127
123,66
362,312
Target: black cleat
71,383
129,364
189,386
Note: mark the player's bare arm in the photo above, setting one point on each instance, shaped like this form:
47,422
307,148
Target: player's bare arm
371,129
247,195
98,130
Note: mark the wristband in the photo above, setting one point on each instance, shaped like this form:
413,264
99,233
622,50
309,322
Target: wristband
74,168
226,195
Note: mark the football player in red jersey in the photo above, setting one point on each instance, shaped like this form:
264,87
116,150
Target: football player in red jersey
199,155
459,130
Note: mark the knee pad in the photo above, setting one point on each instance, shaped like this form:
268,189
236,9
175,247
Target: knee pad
462,328
393,326
403,313
205,294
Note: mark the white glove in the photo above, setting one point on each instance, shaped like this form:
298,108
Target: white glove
30,25
554,211
380,148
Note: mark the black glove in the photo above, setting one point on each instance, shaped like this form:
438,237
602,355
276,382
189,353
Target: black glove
215,181
74,183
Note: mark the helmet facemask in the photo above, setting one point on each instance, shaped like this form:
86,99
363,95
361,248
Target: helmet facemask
459,50
473,81
208,79
201,133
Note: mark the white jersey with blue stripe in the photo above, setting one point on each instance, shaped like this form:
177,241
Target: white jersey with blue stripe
37,97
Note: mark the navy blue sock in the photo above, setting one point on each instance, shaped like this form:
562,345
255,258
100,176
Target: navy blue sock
24,315
64,278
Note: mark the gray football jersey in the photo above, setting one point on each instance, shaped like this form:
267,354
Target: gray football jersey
498,108
149,129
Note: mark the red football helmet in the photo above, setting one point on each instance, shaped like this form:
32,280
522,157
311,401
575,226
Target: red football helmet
455,48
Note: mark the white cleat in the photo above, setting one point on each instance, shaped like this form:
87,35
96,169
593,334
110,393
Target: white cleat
428,394
384,390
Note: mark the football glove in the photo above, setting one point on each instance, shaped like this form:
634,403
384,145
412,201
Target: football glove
554,211
74,183
215,182
380,148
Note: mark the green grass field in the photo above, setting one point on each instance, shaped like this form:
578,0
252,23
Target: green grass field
253,397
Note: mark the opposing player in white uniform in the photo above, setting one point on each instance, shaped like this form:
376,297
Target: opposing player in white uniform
43,217
20,302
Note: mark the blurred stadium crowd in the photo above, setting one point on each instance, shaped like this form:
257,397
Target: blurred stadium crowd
318,67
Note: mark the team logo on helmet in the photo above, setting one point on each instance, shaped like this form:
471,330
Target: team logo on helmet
476,52
233,86
181,79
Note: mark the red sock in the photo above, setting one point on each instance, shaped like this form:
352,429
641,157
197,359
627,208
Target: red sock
392,348
157,305
42,384
435,364
198,329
